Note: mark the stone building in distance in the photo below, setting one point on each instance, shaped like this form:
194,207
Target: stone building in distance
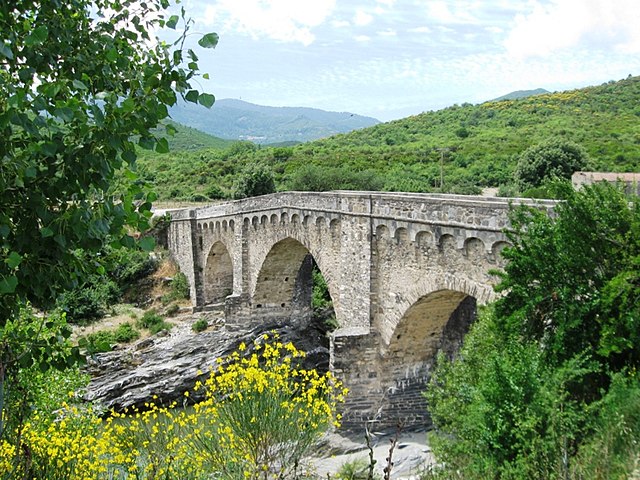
631,180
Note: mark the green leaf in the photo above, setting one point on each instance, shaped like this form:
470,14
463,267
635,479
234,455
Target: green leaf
210,40
147,244
46,232
8,284
147,142
192,96
172,22
129,156
13,260
170,129
205,76
37,37
112,55
162,145
79,85
4,231
128,105
5,51
206,99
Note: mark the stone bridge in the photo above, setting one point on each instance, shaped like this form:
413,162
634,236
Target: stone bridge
404,271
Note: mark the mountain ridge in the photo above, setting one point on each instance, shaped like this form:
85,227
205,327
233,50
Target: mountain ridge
239,120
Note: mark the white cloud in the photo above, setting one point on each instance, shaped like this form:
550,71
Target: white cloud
452,12
387,33
340,24
563,24
362,18
283,20
362,38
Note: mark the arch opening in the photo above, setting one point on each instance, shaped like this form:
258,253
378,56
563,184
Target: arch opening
435,323
218,274
290,285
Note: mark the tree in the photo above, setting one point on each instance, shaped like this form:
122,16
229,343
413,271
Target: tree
255,179
571,278
81,82
555,157
537,388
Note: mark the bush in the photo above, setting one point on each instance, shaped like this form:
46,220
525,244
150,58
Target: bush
98,342
128,266
255,179
89,301
260,416
126,333
179,289
200,325
555,157
153,322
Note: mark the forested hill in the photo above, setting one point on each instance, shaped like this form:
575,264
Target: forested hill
464,147
479,143
238,120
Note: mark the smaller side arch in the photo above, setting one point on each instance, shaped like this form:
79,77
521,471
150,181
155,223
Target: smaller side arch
447,243
218,274
474,247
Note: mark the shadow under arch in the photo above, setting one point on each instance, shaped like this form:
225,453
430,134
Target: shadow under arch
436,322
218,274
284,285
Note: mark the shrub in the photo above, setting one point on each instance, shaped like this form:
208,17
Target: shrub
556,157
200,325
98,342
153,322
255,179
179,289
260,415
126,333
89,301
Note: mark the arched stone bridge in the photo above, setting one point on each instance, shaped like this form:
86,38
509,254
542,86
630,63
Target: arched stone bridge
404,271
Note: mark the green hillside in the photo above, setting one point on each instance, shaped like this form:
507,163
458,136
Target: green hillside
187,138
465,147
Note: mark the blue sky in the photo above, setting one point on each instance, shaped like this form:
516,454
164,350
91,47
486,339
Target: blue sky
394,58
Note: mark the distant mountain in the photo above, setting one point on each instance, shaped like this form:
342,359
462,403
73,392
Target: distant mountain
238,120
521,94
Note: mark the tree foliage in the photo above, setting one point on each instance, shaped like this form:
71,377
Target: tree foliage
536,387
255,179
82,85
555,157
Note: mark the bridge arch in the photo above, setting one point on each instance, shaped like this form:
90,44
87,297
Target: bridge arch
283,284
218,274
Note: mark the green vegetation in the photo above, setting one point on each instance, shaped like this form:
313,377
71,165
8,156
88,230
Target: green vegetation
179,289
91,298
82,86
200,325
554,158
254,179
459,149
261,414
104,340
153,322
546,383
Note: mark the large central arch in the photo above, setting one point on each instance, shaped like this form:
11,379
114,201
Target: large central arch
437,322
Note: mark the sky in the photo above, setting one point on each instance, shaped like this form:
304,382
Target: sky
390,59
